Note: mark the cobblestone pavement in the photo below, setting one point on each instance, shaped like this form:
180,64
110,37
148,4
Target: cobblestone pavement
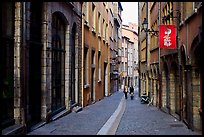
137,119
141,119
86,122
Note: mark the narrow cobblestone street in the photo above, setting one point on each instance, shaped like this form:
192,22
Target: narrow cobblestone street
65,66
141,119
137,119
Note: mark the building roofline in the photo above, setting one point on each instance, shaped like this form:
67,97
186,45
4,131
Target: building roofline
130,30
125,37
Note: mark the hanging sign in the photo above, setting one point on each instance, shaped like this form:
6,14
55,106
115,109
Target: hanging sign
167,36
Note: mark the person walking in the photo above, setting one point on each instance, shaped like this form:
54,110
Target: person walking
131,92
126,91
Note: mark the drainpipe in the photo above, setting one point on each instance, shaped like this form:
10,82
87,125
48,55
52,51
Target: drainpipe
82,53
187,38
179,58
128,78
139,82
146,72
159,73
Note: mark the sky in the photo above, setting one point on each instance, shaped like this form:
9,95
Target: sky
130,12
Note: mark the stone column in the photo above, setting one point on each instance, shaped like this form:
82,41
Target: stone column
196,98
172,92
67,62
17,62
46,63
164,90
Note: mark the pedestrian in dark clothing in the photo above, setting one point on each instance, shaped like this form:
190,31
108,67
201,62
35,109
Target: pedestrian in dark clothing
132,92
126,91
131,89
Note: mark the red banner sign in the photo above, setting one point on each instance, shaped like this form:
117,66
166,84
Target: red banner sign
167,36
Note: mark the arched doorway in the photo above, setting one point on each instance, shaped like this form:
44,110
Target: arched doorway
165,88
58,63
175,94
195,117
105,75
186,94
93,75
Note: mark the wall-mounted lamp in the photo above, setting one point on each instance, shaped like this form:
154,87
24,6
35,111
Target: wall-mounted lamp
145,28
171,15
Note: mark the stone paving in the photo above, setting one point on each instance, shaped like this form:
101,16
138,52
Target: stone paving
143,119
86,122
137,119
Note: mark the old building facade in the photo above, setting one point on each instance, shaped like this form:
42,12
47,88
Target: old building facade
124,62
143,47
56,56
42,46
130,31
175,75
116,46
100,39
190,43
95,58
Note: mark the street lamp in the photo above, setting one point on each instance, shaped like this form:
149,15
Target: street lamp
170,15
145,28
144,25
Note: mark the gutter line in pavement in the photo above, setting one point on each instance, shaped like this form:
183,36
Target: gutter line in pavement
110,127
